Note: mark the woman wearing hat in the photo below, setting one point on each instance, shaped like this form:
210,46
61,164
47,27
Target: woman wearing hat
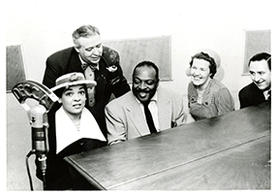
207,97
72,130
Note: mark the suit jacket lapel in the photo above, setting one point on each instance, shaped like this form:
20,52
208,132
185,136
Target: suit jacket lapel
164,110
137,117
74,65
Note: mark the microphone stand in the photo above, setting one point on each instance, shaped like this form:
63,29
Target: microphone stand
28,169
42,166
38,121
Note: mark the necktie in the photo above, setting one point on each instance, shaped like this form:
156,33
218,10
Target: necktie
149,118
90,75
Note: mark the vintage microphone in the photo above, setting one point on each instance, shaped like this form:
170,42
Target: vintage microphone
38,120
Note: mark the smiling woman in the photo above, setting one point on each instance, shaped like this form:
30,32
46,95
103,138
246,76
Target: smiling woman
207,97
200,73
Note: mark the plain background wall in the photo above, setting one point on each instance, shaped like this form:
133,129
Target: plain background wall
43,27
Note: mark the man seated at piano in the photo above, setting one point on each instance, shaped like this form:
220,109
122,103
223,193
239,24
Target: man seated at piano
259,90
146,109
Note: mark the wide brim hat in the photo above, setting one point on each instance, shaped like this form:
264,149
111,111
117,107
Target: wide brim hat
212,54
72,79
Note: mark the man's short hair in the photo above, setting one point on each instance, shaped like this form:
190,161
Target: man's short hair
84,31
261,56
147,64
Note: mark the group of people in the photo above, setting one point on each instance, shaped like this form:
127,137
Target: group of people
85,76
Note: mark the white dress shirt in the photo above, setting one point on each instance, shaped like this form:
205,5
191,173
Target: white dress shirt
266,94
153,110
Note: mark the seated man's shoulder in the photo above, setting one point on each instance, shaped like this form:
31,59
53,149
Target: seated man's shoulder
120,101
169,93
61,53
246,90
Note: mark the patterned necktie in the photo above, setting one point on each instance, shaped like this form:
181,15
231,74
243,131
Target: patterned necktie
89,74
149,118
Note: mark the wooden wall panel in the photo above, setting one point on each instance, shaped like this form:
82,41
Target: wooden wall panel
133,51
255,42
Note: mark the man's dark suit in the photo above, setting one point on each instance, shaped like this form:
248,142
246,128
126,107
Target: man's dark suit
108,82
251,95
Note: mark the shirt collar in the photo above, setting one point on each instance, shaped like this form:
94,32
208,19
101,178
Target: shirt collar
267,93
153,99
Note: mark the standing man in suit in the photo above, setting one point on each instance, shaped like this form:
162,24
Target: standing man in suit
144,110
96,62
260,89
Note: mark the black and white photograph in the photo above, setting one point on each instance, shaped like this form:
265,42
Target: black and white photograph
137,95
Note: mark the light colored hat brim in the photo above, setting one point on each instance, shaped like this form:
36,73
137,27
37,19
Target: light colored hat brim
214,55
88,83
